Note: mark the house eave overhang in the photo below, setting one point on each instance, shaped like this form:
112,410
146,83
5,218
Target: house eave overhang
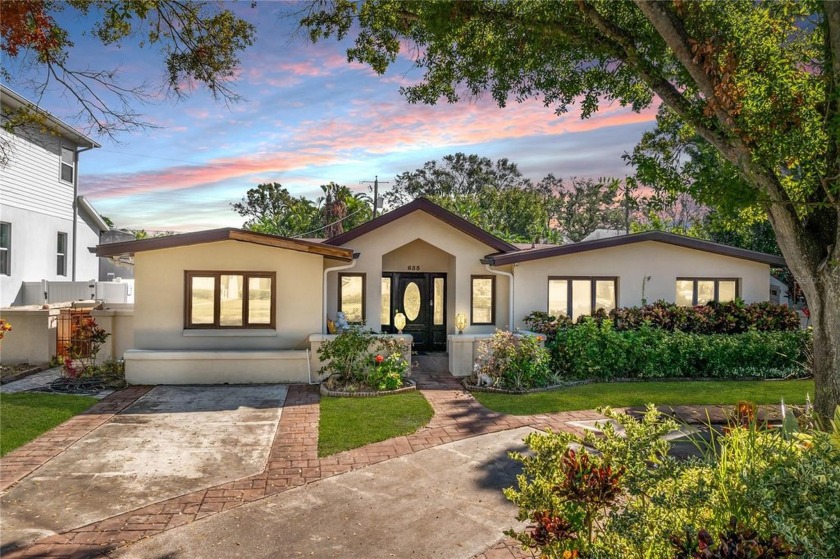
499,259
422,204
94,215
17,101
226,234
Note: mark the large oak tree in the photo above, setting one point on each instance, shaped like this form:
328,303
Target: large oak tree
757,81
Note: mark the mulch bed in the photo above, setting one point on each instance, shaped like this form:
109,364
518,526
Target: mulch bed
17,371
410,387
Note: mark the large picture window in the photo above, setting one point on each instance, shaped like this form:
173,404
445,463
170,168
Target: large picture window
230,300
5,248
351,297
483,297
577,296
699,291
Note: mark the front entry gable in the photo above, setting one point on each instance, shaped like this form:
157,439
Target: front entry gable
449,220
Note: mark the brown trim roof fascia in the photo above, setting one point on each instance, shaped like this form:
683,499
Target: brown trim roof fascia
432,209
226,234
657,236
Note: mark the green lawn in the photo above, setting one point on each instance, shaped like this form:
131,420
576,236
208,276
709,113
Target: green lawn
24,416
353,422
625,394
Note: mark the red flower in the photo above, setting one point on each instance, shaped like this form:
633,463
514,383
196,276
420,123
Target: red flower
379,359
807,312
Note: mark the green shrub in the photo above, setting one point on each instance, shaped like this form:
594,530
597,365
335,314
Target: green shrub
591,350
757,490
357,359
514,361
734,317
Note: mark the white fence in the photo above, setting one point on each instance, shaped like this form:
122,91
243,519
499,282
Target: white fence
40,292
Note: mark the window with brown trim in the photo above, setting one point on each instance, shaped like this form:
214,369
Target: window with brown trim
351,297
230,299
699,291
575,296
483,300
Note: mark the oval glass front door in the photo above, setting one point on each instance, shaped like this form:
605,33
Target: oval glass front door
411,301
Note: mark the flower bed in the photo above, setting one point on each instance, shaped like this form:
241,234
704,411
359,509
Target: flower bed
361,362
408,386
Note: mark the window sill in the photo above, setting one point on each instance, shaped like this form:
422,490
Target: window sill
222,333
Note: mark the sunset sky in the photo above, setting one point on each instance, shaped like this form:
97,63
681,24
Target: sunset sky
309,117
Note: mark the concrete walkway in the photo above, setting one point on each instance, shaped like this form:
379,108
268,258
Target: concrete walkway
293,462
32,382
173,440
442,502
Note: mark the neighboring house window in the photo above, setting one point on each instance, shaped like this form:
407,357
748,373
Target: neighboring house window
230,300
68,161
483,297
351,297
61,254
699,291
576,296
5,249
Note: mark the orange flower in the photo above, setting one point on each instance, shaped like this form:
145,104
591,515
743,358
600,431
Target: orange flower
379,359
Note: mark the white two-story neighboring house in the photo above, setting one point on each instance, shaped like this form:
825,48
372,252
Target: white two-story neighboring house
46,228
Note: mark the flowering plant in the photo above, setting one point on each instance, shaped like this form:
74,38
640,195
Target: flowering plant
4,327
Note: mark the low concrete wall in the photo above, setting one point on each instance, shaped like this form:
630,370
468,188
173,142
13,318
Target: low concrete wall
118,320
215,367
317,340
463,350
32,338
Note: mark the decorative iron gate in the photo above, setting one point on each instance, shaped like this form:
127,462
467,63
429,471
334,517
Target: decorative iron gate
68,344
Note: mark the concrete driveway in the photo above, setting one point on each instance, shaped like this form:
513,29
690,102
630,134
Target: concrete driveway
172,441
444,502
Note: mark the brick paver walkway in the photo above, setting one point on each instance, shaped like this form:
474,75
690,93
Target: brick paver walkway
293,461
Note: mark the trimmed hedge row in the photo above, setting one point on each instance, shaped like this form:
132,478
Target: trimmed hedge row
596,350
734,317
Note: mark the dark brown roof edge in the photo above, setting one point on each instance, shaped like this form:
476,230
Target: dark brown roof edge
658,236
432,209
225,234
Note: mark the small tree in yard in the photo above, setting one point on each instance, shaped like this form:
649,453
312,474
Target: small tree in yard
757,82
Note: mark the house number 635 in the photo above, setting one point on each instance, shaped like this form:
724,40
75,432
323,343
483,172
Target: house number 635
414,268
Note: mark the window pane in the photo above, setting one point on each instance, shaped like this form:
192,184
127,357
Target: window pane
705,291
203,290
385,318
259,300
558,297
438,300
727,290
230,300
351,297
411,301
67,157
5,248
482,300
581,298
5,267
61,243
605,295
685,293
5,235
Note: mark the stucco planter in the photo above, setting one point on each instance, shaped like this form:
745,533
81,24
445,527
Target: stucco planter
475,388
410,386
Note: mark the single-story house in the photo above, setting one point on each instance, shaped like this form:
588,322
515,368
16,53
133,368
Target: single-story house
229,305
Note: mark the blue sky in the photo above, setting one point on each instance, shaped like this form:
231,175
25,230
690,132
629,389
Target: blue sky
309,117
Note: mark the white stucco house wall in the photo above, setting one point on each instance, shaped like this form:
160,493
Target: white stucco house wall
47,231
195,292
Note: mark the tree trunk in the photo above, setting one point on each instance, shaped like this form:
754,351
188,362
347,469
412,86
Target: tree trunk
823,295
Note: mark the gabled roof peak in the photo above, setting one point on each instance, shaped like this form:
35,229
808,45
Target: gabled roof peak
425,205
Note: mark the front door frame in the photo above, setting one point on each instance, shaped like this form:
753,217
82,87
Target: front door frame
434,336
